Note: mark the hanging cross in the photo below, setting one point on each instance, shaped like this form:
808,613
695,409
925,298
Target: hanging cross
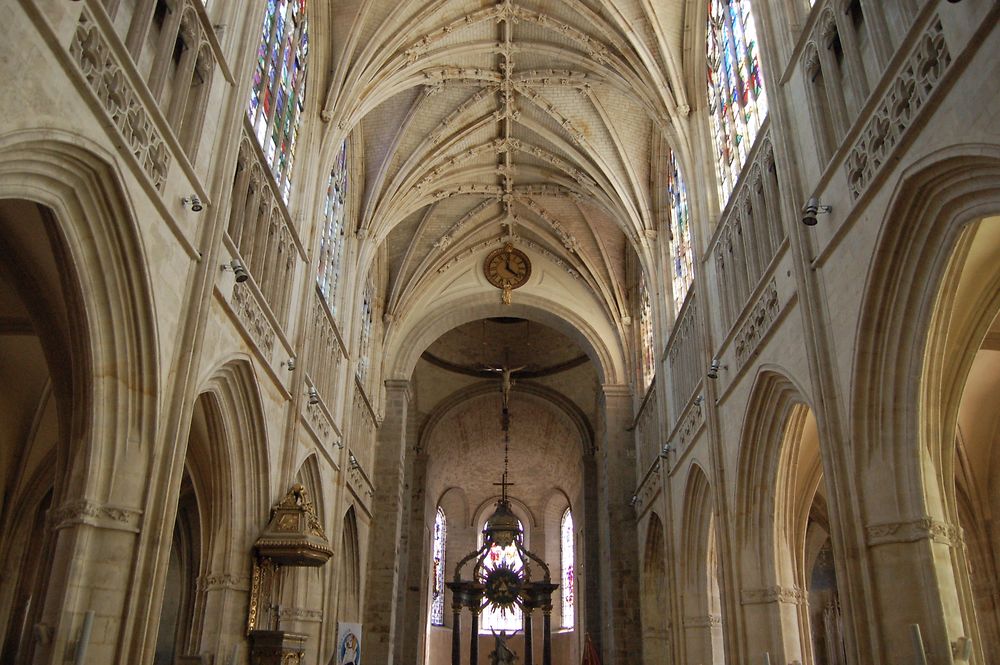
503,485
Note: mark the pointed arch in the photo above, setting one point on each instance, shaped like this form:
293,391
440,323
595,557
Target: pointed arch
936,212
238,460
349,570
779,480
654,608
111,313
773,409
98,333
934,203
702,604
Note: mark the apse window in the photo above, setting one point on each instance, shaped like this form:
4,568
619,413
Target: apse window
566,551
437,570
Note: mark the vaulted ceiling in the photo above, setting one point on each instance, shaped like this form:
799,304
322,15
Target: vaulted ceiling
535,119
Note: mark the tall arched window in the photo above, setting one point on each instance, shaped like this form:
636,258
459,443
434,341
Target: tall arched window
492,618
646,340
566,554
437,572
681,255
279,85
331,245
736,98
365,342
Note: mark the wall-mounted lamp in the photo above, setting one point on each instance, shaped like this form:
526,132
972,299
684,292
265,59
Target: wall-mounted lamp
193,201
961,649
290,364
713,369
812,208
313,396
353,461
699,400
634,500
339,444
239,272
667,448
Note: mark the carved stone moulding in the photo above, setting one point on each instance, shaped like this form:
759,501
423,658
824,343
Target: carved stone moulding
774,594
925,528
276,647
294,536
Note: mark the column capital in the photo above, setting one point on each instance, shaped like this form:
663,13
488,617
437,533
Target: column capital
399,385
616,390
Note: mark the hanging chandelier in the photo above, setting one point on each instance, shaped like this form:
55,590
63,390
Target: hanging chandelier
505,586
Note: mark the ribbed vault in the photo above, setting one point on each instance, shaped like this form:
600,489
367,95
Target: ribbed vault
529,119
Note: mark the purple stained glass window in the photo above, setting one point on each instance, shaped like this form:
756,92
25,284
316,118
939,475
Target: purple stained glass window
278,86
646,341
437,572
681,255
568,583
331,244
737,101
365,343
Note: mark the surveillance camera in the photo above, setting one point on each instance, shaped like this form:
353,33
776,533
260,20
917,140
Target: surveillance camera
713,369
812,208
194,202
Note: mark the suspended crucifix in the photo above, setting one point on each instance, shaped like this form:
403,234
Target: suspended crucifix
507,585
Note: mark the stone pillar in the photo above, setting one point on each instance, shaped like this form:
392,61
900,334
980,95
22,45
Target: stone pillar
387,521
588,573
94,551
619,537
409,624
773,618
913,579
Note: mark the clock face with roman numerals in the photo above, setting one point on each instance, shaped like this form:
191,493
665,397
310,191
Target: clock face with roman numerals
507,268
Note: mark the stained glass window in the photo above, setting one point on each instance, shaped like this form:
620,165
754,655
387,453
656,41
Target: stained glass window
681,256
568,584
492,618
331,245
646,341
365,343
278,89
437,572
736,98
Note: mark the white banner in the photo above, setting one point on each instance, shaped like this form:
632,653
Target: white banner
348,644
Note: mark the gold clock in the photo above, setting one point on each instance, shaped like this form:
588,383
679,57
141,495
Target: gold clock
507,269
